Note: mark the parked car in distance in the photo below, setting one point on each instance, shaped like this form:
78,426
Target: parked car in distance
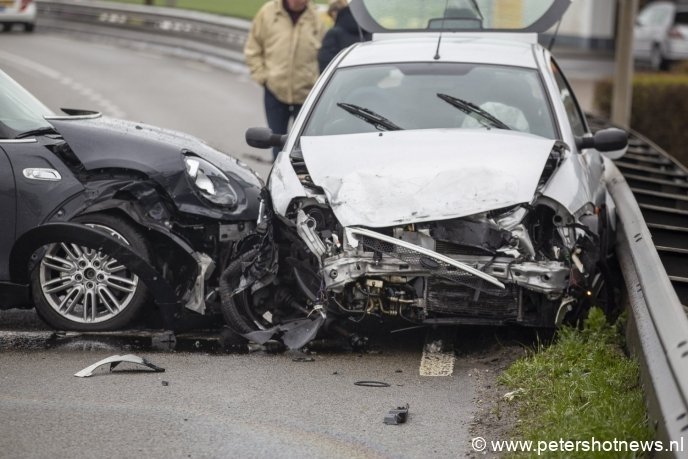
22,12
661,34
102,217
441,174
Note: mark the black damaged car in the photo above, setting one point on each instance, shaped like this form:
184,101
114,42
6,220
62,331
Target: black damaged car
104,217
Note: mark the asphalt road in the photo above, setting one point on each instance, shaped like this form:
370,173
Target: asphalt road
230,406
217,105
254,405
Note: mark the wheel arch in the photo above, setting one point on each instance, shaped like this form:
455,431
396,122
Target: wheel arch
171,247
23,253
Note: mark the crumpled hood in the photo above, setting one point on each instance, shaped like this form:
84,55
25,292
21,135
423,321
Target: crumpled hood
108,143
394,178
113,143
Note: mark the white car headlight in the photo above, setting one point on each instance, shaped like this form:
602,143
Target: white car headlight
212,183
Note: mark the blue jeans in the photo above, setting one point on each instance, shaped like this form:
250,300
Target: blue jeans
278,114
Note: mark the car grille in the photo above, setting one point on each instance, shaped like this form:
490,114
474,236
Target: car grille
447,297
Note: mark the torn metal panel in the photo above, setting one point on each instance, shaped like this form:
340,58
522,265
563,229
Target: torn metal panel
196,301
570,185
284,185
116,360
395,178
305,228
294,334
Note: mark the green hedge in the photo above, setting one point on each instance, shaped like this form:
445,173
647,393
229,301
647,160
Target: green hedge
660,109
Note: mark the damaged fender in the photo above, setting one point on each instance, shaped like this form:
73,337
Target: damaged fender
23,253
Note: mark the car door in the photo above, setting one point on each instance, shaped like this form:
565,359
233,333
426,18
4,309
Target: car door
590,160
8,210
651,28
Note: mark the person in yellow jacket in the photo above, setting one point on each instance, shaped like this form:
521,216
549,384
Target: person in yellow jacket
281,53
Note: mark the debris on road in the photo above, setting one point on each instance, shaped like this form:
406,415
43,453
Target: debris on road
509,396
303,359
371,384
116,360
438,358
397,415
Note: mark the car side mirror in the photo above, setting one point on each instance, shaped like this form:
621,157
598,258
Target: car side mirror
611,141
261,137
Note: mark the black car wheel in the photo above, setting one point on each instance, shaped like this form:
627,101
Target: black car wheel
76,288
29,27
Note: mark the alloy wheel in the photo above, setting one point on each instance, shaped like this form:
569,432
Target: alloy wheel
85,285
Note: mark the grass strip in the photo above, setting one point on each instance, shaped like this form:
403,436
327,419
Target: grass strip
246,9
583,386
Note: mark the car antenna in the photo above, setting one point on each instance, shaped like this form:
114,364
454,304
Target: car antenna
554,37
439,40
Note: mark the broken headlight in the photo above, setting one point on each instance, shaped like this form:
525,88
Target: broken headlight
212,183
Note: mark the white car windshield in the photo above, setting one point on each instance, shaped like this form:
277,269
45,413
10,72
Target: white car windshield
19,110
431,96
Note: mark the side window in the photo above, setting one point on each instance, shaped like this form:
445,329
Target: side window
573,111
662,16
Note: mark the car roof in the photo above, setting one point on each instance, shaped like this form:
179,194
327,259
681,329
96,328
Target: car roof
490,48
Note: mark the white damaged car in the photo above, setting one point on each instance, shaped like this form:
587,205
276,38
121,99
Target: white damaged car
442,173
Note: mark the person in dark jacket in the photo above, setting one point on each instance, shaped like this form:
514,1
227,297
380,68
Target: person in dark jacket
344,33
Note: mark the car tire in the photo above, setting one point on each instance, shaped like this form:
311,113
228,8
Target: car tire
69,280
29,27
236,308
5,27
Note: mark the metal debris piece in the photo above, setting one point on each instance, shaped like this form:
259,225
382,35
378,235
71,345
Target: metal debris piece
303,359
294,334
510,396
165,383
371,384
116,360
397,415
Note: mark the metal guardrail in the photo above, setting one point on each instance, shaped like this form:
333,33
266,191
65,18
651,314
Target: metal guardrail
208,34
647,186
653,259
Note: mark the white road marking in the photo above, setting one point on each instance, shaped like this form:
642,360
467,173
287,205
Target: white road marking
106,106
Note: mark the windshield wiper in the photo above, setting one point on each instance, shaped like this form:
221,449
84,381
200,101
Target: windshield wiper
380,122
483,117
36,132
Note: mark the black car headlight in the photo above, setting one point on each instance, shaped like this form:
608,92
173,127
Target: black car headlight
212,183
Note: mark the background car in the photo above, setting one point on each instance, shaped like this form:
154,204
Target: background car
661,34
21,12
441,175
101,215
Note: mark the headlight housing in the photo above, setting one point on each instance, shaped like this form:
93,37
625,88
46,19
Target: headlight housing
210,181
